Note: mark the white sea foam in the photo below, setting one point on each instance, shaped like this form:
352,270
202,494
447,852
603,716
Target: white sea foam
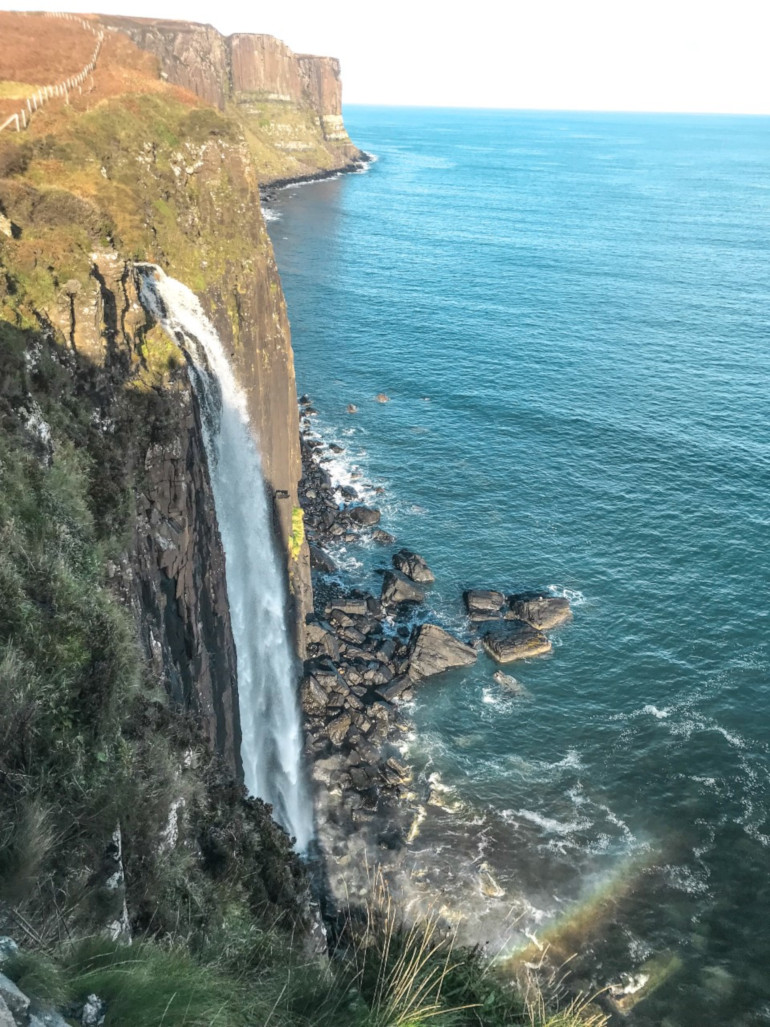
570,761
576,598
684,879
554,826
655,712
270,214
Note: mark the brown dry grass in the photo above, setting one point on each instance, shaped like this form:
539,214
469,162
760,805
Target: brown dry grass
43,51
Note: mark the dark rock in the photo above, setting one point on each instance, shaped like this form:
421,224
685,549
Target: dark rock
304,400
340,619
360,779
364,515
380,674
518,641
352,635
322,639
386,649
538,609
413,566
483,600
335,448
348,492
352,408
399,589
395,689
320,562
384,538
434,650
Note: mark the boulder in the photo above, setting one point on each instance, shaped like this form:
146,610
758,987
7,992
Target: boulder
413,566
319,561
8,948
434,650
483,600
383,537
364,515
396,588
540,610
322,639
518,641
15,1000
396,688
313,697
338,728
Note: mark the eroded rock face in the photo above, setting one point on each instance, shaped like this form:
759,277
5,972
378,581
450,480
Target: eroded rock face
251,70
179,584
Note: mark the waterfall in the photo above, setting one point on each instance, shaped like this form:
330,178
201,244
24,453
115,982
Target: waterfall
271,748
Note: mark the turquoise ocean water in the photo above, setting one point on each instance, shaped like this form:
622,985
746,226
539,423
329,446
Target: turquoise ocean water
569,313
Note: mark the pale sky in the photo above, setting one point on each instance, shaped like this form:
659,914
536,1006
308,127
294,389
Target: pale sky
644,55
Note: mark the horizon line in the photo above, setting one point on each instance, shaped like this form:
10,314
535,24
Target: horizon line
557,110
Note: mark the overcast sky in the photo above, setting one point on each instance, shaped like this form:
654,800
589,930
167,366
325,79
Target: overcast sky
656,55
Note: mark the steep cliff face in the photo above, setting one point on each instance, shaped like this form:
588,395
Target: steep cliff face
290,104
146,171
145,432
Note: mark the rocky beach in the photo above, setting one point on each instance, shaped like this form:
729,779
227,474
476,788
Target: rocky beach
367,654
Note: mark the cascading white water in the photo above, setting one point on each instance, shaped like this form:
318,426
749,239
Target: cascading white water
271,747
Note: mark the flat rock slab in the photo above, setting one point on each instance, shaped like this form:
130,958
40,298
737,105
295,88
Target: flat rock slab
434,650
519,641
541,611
483,600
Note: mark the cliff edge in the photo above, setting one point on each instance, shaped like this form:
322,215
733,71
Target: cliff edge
290,104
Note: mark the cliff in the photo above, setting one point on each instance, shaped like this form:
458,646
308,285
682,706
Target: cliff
289,104
113,586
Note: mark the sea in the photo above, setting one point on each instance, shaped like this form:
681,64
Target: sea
568,313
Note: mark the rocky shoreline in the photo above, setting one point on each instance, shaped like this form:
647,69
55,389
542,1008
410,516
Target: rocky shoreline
353,167
367,654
